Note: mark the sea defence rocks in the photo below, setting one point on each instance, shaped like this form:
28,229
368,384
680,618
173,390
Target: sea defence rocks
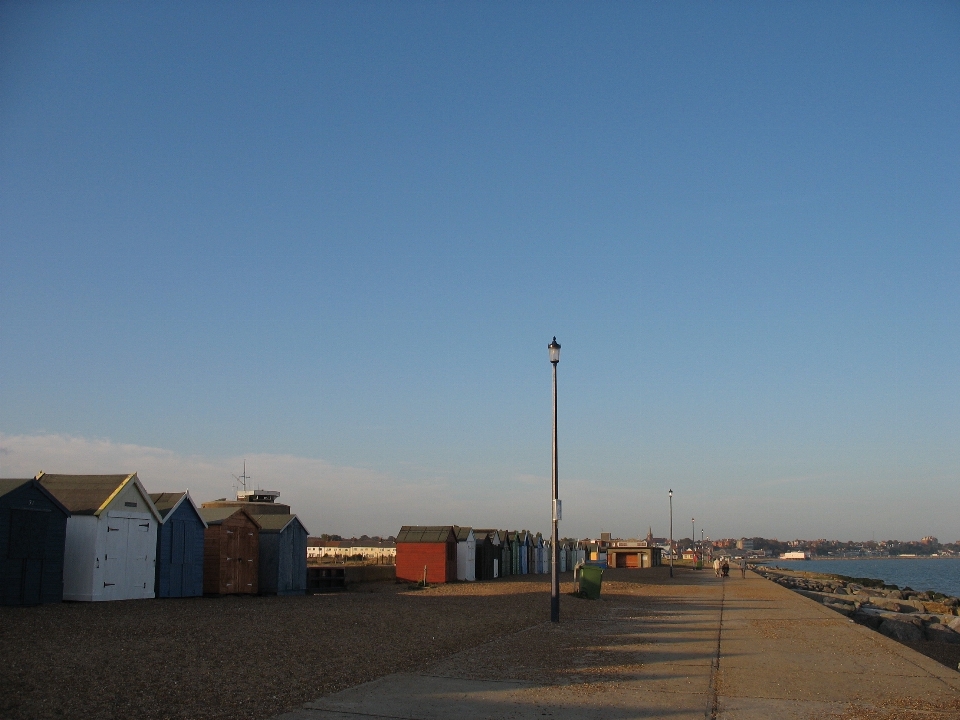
899,613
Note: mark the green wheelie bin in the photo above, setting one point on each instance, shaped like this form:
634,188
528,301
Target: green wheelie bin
591,577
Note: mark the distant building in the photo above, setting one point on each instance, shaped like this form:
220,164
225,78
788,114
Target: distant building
795,555
632,554
745,544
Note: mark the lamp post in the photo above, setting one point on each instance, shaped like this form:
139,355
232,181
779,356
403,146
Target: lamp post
693,539
671,531
554,349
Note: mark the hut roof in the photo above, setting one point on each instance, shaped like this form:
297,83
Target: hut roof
11,484
273,523
167,503
216,516
424,533
8,485
90,494
463,533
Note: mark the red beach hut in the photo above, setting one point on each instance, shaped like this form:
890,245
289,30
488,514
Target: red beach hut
433,547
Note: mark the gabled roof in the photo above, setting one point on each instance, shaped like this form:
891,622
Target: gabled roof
167,504
8,485
425,533
463,533
494,535
216,516
90,494
273,523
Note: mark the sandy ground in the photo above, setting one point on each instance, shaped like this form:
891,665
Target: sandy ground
247,657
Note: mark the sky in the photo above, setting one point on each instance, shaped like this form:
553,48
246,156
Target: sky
335,239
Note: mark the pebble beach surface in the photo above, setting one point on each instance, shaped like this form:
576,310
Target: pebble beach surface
245,657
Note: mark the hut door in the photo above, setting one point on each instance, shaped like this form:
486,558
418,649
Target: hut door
230,561
176,557
249,552
114,556
140,572
28,534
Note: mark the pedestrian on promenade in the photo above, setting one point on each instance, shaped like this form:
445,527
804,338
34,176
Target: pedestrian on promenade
743,567
716,567
725,568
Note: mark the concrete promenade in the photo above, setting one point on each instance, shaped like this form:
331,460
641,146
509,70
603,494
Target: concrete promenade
692,647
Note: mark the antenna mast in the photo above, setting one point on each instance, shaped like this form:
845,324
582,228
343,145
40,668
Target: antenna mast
242,479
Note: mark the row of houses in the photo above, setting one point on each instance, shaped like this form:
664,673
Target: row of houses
444,553
104,537
368,549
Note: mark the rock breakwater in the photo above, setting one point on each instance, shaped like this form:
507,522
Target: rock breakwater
899,613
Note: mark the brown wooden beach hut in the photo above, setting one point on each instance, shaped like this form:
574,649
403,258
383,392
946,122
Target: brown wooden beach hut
231,552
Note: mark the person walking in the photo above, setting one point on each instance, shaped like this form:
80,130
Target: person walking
716,567
743,567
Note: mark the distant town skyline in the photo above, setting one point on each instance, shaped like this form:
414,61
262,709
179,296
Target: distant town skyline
335,240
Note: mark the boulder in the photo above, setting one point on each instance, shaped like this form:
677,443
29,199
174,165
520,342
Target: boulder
954,624
844,608
942,634
951,602
901,631
895,595
897,606
937,607
871,620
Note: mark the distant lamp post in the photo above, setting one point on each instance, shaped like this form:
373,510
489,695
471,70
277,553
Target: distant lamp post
671,531
554,349
693,539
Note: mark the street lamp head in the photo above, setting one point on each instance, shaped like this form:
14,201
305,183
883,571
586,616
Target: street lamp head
670,493
554,349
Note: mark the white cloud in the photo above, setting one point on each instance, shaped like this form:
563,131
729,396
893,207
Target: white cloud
328,498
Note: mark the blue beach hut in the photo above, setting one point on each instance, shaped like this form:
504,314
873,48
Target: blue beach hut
283,555
33,531
179,546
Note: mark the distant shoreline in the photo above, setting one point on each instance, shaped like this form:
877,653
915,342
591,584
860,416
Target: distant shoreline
860,557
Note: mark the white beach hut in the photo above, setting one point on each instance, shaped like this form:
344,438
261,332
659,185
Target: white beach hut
111,544
466,554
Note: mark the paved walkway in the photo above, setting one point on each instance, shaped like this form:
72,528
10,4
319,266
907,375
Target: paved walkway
692,647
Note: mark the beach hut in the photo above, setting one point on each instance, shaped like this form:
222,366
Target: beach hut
427,548
506,554
111,541
487,554
540,552
231,552
466,554
33,529
179,571
283,555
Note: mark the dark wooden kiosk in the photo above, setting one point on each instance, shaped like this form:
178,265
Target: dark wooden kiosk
231,552
33,531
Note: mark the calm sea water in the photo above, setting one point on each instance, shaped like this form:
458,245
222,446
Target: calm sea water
940,574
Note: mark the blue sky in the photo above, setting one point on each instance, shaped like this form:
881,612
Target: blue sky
338,237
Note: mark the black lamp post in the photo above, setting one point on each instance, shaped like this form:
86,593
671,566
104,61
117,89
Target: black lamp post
671,532
554,349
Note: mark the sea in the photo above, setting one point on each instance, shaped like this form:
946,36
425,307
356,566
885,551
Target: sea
940,574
